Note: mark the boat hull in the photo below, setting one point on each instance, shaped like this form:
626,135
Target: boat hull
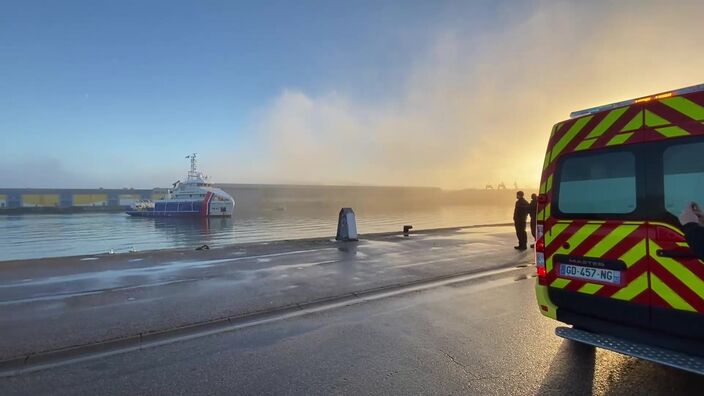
152,213
180,208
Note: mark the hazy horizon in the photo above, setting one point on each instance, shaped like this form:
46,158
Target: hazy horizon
493,187
445,94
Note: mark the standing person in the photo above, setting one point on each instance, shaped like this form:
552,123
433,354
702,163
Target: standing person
533,213
520,213
692,220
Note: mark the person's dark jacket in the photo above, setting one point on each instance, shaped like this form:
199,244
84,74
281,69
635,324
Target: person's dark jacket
695,237
520,212
533,209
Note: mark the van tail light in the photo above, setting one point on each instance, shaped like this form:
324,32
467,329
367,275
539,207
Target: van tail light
540,261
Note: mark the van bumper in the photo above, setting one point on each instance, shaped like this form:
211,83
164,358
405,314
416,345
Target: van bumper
546,306
633,334
667,357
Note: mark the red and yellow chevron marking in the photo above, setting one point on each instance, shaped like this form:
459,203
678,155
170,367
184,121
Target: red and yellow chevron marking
649,279
675,283
669,117
624,241
603,129
674,117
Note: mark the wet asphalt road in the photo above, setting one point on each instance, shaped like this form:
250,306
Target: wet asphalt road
51,304
483,336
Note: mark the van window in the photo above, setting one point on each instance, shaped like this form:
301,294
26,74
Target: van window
683,169
598,183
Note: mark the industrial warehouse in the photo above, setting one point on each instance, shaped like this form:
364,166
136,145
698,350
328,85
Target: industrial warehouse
28,200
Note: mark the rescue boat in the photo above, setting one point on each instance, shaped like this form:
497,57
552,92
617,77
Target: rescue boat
196,197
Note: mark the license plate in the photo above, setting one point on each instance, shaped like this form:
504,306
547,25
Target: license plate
598,275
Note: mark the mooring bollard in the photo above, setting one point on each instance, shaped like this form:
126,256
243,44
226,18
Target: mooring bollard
346,225
406,229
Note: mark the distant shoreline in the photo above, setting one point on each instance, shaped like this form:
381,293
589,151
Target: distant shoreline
247,197
59,210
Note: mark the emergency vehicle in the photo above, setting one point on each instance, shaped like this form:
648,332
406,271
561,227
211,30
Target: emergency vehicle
611,258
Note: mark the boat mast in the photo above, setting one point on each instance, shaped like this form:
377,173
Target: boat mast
193,173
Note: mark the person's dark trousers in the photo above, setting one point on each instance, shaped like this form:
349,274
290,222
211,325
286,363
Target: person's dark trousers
521,234
533,223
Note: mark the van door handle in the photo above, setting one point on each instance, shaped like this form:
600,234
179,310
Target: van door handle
676,253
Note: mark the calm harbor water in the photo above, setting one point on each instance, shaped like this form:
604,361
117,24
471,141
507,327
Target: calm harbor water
38,235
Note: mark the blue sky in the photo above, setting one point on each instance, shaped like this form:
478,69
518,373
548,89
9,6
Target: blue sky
116,93
102,86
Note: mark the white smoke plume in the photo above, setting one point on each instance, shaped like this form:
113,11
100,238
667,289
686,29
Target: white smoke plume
478,108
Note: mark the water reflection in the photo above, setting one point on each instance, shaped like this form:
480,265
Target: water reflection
201,226
183,232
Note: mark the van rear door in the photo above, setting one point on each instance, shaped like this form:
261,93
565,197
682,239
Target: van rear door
596,249
677,279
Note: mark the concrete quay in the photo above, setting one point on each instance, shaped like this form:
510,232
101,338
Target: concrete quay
65,305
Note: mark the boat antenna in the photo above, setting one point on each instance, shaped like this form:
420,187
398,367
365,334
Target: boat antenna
193,172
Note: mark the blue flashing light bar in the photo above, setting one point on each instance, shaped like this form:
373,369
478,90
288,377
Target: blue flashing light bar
681,91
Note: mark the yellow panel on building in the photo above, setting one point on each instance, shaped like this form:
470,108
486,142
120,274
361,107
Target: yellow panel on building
128,199
158,195
40,200
3,201
90,199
